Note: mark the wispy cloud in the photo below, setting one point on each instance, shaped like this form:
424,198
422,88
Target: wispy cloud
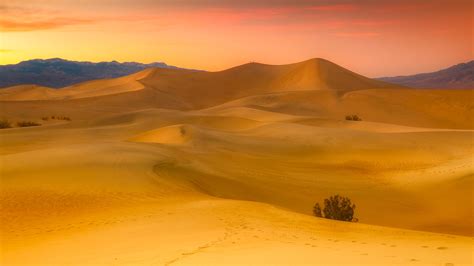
356,34
6,50
333,7
9,25
27,18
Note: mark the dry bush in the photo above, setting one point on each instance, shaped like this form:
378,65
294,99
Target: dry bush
27,124
5,124
353,118
337,208
58,117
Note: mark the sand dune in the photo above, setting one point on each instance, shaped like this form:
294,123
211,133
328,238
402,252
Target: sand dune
82,90
176,134
27,92
219,87
173,167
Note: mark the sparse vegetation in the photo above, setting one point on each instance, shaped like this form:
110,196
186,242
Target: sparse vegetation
57,117
5,124
337,208
353,118
27,124
45,118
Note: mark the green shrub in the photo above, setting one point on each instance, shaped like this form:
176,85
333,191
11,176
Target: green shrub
5,124
336,208
27,124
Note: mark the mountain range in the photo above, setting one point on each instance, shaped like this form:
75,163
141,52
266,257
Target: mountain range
460,76
57,72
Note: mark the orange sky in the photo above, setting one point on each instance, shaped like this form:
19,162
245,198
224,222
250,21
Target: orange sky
374,38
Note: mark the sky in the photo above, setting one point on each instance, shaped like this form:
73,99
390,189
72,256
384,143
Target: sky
374,38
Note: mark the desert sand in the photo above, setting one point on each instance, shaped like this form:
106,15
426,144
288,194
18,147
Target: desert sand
179,167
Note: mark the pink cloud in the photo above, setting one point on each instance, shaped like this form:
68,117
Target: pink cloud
335,7
356,34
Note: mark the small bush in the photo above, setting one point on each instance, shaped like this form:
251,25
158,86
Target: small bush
27,124
353,118
57,117
45,118
336,208
5,124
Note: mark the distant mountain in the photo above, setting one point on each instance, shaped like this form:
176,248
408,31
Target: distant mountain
57,73
460,76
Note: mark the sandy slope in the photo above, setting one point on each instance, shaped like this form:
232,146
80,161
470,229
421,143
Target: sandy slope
82,90
26,92
142,176
139,203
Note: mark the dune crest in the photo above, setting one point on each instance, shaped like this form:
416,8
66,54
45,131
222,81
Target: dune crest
204,89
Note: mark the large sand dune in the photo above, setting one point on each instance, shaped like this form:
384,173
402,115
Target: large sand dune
173,167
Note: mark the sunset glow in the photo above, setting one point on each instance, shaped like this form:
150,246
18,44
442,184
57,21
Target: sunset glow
375,38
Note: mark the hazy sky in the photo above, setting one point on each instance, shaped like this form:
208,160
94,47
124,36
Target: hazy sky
374,38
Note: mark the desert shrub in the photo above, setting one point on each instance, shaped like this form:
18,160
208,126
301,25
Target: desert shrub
317,210
353,118
27,124
336,208
45,118
5,124
58,117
